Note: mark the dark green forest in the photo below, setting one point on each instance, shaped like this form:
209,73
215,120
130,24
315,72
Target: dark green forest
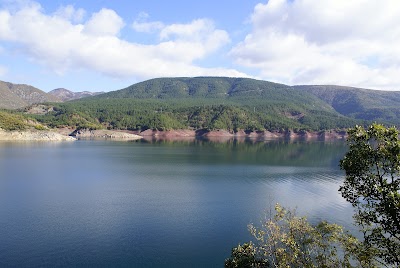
134,114
200,103
360,103
232,104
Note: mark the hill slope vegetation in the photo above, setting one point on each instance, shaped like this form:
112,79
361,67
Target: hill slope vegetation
202,103
360,103
225,103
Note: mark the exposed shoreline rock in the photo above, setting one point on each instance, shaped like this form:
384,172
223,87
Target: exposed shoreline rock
265,135
33,135
64,134
182,133
106,134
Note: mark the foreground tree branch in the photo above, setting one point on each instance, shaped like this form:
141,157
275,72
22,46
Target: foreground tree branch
286,240
372,186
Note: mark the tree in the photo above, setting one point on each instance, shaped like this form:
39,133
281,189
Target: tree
286,240
372,186
244,256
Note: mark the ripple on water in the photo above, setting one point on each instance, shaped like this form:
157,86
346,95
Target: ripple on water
154,205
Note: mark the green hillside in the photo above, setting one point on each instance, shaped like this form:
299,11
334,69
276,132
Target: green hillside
238,90
224,103
197,87
12,120
359,103
201,103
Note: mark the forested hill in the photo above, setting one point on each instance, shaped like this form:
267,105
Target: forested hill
226,103
223,90
211,87
209,103
359,103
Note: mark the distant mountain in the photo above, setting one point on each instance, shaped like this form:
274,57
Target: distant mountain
67,95
238,90
14,96
198,87
359,103
211,103
214,103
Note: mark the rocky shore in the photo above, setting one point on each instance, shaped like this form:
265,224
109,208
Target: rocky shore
33,135
168,134
65,134
105,134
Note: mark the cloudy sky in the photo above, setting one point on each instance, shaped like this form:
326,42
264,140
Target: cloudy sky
100,45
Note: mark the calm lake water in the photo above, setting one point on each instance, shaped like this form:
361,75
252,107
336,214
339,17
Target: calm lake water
160,204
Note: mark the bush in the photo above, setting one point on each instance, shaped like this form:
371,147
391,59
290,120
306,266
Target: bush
286,240
9,121
40,127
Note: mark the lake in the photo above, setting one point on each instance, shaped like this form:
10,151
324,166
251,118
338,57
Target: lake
155,204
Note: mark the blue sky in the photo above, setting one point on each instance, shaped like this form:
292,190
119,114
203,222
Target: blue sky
107,45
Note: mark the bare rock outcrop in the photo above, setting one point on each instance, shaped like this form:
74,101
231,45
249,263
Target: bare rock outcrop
33,135
169,133
14,96
106,134
240,134
67,95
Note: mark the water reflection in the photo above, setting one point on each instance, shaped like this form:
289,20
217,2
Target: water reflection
155,203
253,152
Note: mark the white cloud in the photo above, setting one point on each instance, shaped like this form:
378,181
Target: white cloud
103,23
70,13
197,28
142,25
320,42
197,38
5,31
61,44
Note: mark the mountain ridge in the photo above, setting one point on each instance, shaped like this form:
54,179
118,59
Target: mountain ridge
358,103
14,96
67,95
233,104
352,102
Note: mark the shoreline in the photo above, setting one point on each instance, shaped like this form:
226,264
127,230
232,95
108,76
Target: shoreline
33,135
104,134
257,135
69,134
